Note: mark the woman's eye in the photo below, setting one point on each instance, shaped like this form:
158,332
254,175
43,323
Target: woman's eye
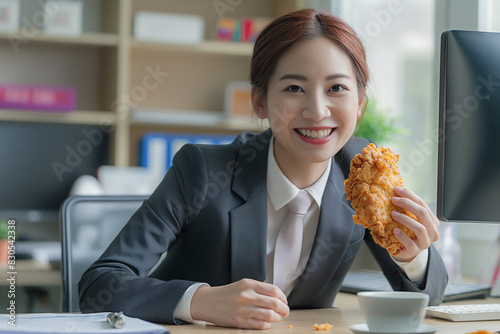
294,89
337,88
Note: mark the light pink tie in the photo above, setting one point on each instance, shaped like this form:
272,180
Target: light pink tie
289,242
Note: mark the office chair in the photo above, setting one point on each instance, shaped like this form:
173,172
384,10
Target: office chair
88,225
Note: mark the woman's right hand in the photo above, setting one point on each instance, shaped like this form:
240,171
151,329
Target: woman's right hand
243,304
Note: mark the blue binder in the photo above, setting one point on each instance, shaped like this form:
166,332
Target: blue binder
157,150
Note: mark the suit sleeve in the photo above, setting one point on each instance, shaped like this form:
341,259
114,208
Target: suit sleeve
118,280
436,277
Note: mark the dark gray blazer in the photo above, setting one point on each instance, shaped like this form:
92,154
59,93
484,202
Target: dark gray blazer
210,215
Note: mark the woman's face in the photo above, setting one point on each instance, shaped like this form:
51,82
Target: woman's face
312,103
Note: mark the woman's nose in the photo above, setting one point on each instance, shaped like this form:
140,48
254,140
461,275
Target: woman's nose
316,108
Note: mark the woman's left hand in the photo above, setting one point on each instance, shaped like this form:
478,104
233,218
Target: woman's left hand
425,229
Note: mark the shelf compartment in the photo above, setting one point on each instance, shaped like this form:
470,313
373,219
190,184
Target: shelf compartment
60,65
190,82
211,11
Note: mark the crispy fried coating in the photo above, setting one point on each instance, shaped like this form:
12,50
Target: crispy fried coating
370,186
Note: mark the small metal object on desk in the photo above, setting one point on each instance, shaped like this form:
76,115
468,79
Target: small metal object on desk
116,320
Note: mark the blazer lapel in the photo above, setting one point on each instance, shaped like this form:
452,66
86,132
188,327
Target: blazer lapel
249,221
248,239
333,234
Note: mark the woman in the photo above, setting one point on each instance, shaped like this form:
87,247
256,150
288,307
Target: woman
219,210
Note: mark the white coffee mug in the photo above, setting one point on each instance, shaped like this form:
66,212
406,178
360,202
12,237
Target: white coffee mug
394,311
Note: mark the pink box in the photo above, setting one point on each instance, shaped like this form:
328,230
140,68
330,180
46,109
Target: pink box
37,97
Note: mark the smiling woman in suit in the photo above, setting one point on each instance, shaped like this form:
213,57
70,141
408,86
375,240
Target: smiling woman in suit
219,210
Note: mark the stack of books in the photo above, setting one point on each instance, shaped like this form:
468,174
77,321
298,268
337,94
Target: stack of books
37,97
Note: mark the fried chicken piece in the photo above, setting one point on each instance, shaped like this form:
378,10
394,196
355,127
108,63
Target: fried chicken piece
370,186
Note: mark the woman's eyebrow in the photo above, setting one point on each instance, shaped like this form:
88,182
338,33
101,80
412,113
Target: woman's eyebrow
304,78
338,75
293,76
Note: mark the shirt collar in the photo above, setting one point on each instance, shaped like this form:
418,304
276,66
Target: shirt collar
281,191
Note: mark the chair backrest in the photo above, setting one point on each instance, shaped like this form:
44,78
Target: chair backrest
88,225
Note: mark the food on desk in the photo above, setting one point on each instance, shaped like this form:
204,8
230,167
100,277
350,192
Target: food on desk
481,332
370,186
322,327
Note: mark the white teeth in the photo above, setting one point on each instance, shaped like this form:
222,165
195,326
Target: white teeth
315,134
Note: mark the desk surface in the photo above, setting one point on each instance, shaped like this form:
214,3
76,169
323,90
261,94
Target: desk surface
344,314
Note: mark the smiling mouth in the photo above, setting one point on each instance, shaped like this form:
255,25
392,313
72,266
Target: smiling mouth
313,134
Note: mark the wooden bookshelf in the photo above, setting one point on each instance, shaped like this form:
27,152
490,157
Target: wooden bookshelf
108,67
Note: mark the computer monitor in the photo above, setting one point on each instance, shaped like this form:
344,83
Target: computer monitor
469,124
39,163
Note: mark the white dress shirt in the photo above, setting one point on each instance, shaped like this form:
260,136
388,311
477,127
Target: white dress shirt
279,192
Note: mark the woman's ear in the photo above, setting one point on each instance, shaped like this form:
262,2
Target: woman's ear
258,105
362,107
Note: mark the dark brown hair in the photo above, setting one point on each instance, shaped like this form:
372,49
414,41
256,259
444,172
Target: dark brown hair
306,24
